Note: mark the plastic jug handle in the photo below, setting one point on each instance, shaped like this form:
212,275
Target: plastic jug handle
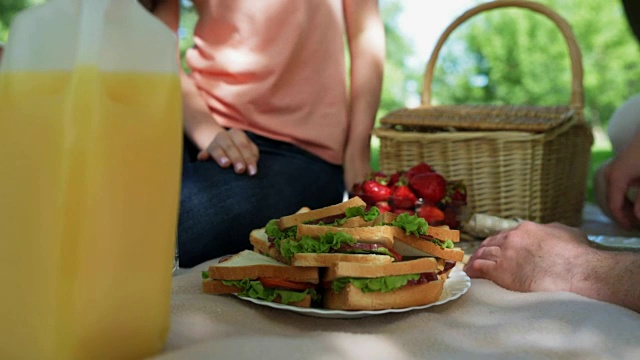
92,14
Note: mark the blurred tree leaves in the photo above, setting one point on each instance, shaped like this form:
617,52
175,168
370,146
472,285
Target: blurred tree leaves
188,19
8,9
398,73
516,56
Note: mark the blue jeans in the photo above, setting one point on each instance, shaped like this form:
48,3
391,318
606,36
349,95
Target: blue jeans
218,208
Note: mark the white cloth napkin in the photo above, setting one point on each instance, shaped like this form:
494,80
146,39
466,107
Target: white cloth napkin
483,225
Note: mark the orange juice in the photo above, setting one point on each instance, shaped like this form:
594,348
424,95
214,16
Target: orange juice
89,192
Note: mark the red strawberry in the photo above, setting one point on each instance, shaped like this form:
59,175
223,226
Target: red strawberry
456,193
380,177
421,168
402,211
431,187
451,218
394,178
374,192
383,206
431,213
402,197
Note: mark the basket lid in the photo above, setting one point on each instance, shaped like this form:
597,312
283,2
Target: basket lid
481,117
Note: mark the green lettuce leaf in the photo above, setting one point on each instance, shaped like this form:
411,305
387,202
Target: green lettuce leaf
355,211
273,231
447,244
205,275
370,215
255,290
383,284
411,224
320,245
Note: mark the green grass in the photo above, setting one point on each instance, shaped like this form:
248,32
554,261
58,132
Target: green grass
375,157
598,156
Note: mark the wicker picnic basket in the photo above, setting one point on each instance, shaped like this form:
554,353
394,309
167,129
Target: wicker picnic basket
518,161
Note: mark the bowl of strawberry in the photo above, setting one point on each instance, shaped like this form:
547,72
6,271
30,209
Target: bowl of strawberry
420,190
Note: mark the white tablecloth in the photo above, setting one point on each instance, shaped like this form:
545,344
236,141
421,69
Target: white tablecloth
487,322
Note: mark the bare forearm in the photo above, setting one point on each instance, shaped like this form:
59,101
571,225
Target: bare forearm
365,34
199,125
366,83
610,276
367,51
366,80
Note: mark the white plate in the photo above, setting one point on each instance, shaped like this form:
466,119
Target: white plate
618,242
457,284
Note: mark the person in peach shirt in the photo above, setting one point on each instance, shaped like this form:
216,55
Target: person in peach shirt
271,122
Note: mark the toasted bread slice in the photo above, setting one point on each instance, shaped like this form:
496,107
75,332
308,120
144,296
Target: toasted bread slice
210,286
385,218
260,241
445,275
360,270
333,210
260,244
328,259
356,221
303,209
352,298
251,265
444,233
411,245
368,234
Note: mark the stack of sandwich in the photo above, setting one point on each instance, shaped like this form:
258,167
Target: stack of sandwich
366,260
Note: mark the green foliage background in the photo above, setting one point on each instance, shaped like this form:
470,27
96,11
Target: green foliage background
515,56
8,9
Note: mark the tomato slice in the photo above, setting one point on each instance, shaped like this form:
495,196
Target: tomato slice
396,254
276,283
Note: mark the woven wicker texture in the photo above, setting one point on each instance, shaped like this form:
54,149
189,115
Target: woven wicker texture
528,162
481,117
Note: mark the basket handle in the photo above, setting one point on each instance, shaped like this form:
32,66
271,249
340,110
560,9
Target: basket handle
577,92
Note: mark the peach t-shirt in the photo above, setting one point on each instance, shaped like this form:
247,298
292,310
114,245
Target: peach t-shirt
276,68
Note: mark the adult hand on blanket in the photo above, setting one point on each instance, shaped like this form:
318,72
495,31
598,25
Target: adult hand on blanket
554,257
